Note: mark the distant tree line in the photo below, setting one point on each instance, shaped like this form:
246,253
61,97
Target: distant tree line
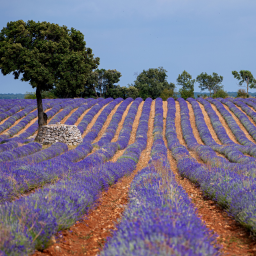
150,83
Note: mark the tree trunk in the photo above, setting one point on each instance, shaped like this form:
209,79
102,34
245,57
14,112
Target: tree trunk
40,110
247,82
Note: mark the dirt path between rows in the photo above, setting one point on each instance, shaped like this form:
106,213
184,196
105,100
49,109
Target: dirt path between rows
90,125
252,121
88,236
225,125
63,121
82,116
133,133
180,134
209,124
120,125
106,124
248,136
16,122
10,116
234,238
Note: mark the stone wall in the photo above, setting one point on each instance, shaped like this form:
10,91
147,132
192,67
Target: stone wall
52,133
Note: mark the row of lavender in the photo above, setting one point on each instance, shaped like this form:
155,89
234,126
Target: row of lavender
232,151
57,106
19,171
7,104
235,191
28,177
32,220
160,218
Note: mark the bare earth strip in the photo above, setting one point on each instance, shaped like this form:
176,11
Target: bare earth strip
106,124
234,238
193,124
8,117
209,124
90,125
63,121
246,115
82,116
16,122
179,132
120,125
33,121
88,236
248,136
225,125
133,133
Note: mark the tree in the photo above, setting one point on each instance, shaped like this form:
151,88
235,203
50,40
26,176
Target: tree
47,55
131,92
151,82
212,83
168,93
185,80
245,76
241,93
220,94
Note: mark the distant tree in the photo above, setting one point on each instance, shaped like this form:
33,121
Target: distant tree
185,80
220,94
246,77
131,92
241,93
168,93
47,56
212,83
151,82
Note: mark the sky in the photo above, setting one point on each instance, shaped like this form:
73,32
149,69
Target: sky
135,35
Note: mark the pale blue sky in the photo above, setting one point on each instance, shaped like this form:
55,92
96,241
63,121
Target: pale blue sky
129,36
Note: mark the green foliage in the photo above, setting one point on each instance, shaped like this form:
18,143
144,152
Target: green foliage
185,80
241,93
212,83
47,56
45,95
204,96
30,95
151,82
186,93
220,94
168,93
245,76
102,83
131,92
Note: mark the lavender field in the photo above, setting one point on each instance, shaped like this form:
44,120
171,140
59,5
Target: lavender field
186,172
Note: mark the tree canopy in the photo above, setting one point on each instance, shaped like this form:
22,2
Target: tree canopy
185,80
212,83
47,56
151,82
245,76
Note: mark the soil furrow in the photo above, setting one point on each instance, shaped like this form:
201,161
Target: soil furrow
248,136
234,239
33,121
88,236
106,124
9,116
120,125
82,116
224,124
16,122
90,125
63,121
180,135
133,133
209,124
